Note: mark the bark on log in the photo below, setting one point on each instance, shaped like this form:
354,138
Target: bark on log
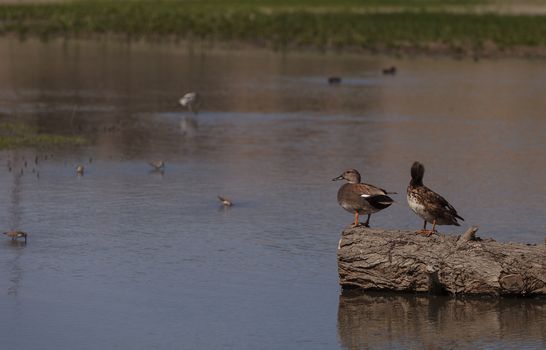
393,260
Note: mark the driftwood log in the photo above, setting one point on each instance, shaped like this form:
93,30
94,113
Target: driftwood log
392,260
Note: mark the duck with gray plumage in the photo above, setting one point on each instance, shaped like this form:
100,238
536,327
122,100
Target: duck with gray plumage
361,198
427,204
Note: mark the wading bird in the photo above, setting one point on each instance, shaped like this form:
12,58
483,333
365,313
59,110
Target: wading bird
192,101
16,234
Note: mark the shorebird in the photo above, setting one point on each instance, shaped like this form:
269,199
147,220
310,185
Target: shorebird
80,170
192,101
427,204
16,234
226,202
360,198
158,165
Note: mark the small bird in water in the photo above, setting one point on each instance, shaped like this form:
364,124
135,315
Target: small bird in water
16,234
192,101
360,198
157,165
427,204
334,80
389,71
80,170
226,202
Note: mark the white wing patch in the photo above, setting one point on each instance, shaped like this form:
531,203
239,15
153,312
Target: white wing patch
365,195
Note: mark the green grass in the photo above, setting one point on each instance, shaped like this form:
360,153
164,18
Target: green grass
19,135
279,24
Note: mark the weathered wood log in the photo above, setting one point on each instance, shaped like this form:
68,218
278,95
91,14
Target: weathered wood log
392,260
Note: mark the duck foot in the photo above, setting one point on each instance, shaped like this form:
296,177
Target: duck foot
360,224
426,232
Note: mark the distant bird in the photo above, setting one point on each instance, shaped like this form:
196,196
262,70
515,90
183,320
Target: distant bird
16,234
192,101
226,202
427,204
334,80
80,170
360,198
389,71
157,165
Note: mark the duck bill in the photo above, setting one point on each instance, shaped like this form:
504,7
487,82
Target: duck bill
340,177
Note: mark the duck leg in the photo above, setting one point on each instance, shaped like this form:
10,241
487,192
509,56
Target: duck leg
356,223
433,227
367,223
426,232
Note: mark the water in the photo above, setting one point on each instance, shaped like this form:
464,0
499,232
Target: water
123,257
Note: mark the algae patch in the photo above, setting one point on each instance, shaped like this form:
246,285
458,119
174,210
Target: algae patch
19,135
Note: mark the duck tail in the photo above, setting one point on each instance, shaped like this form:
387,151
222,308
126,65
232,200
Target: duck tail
417,173
380,201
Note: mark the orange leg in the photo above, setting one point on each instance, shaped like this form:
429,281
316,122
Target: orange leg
356,223
434,226
426,232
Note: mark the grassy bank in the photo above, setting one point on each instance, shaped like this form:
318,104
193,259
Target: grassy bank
349,24
19,135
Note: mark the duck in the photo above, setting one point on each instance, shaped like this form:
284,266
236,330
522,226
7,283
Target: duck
192,100
226,202
16,234
427,204
334,80
361,198
80,169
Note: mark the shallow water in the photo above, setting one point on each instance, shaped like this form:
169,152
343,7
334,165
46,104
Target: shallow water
127,258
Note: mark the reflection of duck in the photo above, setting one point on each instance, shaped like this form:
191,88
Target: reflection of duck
14,235
389,71
360,198
427,204
191,100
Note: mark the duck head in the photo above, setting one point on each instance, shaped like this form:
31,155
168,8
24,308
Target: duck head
350,175
417,173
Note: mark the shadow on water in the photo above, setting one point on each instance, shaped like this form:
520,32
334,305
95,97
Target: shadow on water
379,321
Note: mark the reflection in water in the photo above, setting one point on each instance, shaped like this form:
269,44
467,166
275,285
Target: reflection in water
379,321
189,126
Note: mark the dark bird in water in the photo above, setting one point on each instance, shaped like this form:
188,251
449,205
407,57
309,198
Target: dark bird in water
427,204
157,165
226,202
389,71
334,80
360,198
16,234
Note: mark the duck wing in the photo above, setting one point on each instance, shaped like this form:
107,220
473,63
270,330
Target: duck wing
376,196
434,199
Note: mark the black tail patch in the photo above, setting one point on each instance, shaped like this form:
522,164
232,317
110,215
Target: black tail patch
380,201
